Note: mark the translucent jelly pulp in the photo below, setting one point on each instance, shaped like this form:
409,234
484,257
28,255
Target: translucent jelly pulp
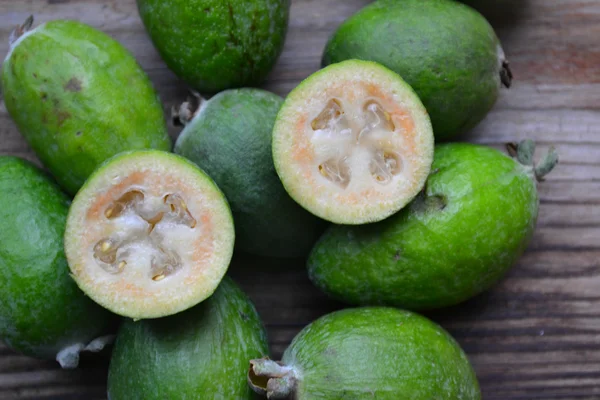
356,145
141,226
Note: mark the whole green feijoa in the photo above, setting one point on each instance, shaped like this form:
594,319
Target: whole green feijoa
79,97
229,137
445,50
215,45
472,221
42,311
201,353
368,353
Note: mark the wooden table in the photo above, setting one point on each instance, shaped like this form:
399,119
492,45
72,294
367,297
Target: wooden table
536,335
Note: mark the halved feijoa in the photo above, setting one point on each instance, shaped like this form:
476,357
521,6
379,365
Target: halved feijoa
149,235
353,143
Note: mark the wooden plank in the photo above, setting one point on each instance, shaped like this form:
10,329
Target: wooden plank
535,335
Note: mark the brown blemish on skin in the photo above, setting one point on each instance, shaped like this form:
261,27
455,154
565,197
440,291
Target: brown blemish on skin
61,117
74,85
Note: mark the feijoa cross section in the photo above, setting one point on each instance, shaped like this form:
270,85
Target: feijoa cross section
353,143
149,235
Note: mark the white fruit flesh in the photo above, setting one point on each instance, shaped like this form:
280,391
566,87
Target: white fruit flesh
353,143
149,235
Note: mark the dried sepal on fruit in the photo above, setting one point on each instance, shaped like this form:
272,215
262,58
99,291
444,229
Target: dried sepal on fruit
368,353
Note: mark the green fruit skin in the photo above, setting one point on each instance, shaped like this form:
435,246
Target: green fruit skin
199,354
230,138
379,353
42,310
79,97
445,50
476,219
215,45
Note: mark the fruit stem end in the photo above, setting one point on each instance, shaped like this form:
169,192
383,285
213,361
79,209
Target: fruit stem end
271,379
20,30
506,75
546,164
524,152
68,358
187,110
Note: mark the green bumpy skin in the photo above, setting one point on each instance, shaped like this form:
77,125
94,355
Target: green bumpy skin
79,97
201,353
42,311
215,45
230,139
373,353
445,50
474,219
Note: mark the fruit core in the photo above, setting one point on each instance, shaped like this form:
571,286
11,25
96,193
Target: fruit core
356,141
140,225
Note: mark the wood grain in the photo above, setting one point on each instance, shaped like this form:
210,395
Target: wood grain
536,335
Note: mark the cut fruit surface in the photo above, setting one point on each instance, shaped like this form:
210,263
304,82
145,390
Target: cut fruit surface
353,143
149,235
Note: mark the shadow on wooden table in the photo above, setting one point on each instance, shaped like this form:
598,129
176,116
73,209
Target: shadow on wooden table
501,13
